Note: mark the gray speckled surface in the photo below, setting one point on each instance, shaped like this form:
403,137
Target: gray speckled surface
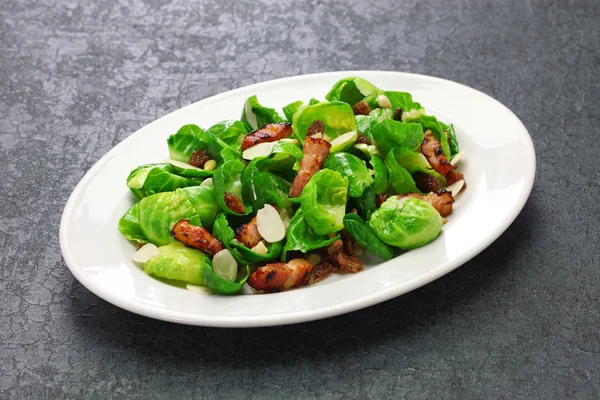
521,320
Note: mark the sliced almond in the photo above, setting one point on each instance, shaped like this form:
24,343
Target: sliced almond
184,165
225,265
260,248
457,157
269,224
456,187
198,289
207,182
383,101
260,150
145,253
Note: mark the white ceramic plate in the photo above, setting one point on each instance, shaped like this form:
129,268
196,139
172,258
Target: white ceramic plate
499,169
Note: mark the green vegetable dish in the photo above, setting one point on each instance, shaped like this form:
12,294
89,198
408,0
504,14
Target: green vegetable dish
280,200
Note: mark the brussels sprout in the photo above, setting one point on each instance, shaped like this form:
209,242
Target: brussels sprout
451,137
365,204
255,115
231,132
179,263
353,168
227,179
149,179
129,225
190,138
291,109
352,90
241,253
160,212
301,238
414,161
323,201
283,161
381,178
407,224
430,122
260,188
366,123
400,179
365,237
403,100
389,134
338,118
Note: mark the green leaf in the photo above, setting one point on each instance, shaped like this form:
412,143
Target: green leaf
227,179
352,90
190,138
381,178
365,237
337,117
365,204
430,122
300,237
414,161
389,134
403,100
323,201
255,115
177,262
400,179
220,285
291,109
352,168
231,132
149,179
129,225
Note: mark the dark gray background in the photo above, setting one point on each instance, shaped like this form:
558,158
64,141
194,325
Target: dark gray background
521,320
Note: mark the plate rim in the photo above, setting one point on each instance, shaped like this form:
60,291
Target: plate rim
307,315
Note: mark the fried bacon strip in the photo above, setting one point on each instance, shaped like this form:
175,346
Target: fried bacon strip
432,150
281,276
268,133
315,152
248,234
196,237
342,260
453,177
234,203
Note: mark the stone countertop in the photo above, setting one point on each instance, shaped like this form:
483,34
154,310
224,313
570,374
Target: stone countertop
521,320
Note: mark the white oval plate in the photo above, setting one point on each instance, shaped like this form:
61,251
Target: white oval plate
499,169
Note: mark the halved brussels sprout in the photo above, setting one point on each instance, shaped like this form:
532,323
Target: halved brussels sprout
323,201
149,179
352,90
129,225
406,224
255,115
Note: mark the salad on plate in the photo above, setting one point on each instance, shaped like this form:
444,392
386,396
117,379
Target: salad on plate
277,202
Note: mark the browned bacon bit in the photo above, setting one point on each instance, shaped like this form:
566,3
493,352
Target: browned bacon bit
320,271
279,276
398,114
196,237
426,182
248,234
381,198
432,150
361,108
315,151
362,139
198,158
442,200
453,177
234,203
345,262
268,133
315,128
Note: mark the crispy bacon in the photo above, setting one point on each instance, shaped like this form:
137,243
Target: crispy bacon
248,234
442,200
361,108
234,203
453,177
342,260
268,133
277,277
432,150
315,152
196,237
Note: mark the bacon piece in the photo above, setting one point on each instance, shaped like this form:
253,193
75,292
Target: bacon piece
198,158
426,182
362,139
442,200
248,234
196,237
453,177
315,151
268,133
432,150
279,276
342,260
234,203
361,108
